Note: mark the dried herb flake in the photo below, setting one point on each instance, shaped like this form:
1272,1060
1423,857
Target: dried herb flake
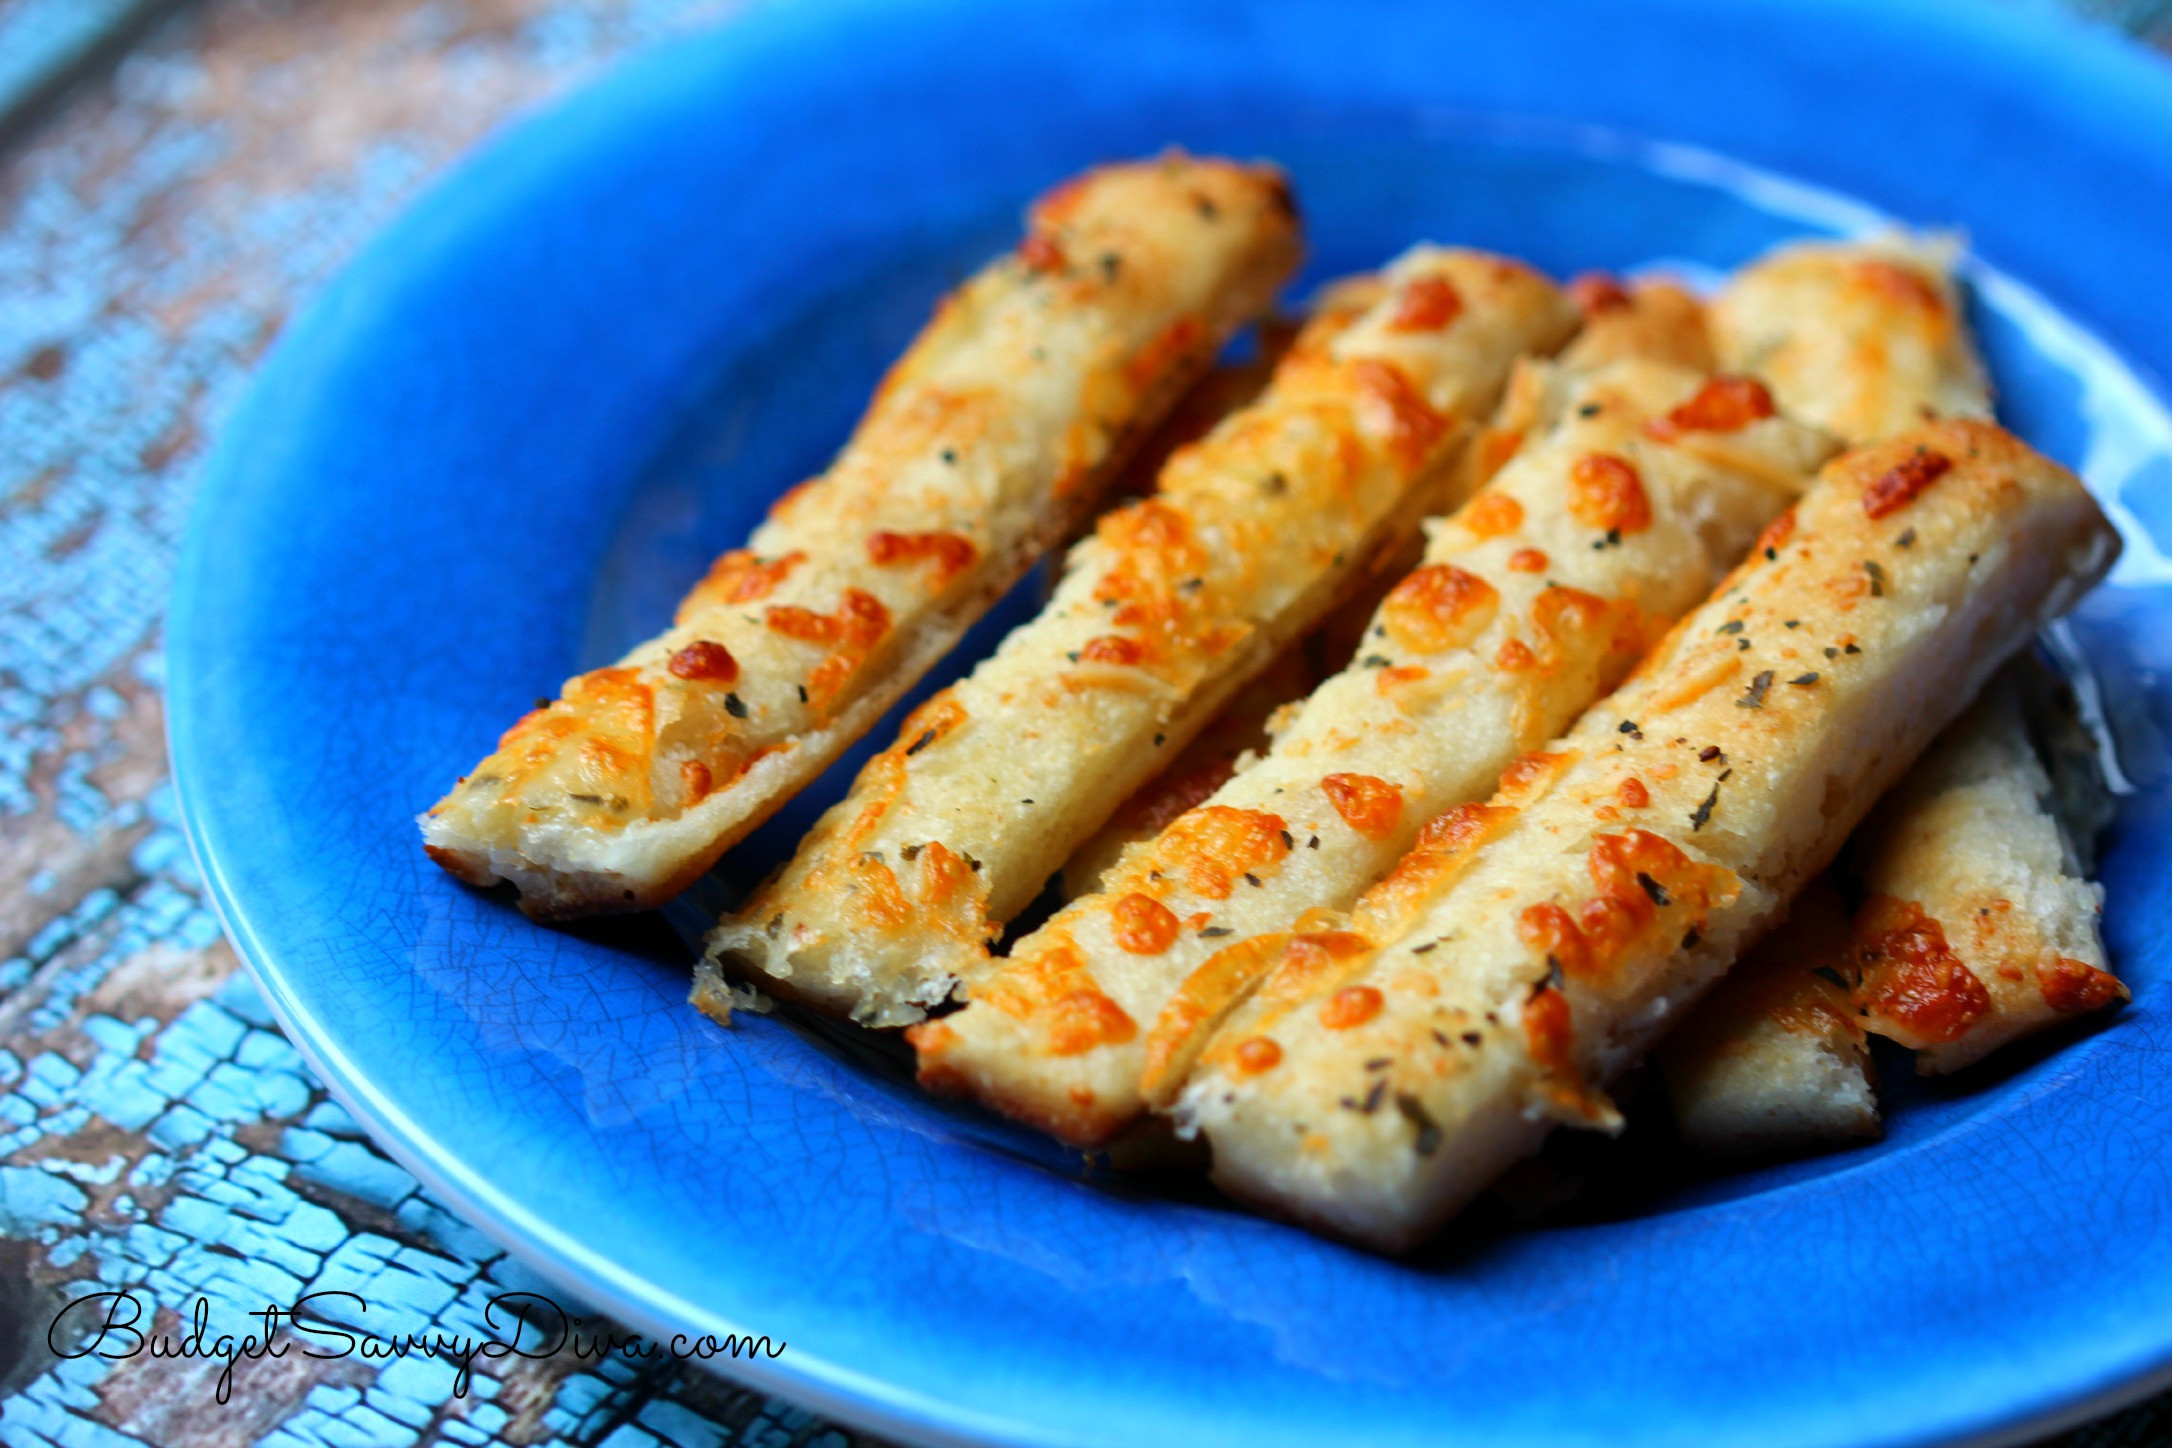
1703,811
1414,1112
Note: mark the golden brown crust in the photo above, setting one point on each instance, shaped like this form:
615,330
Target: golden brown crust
981,447
1562,942
1254,534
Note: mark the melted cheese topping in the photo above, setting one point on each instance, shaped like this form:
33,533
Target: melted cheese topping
1471,660
1752,783
1251,536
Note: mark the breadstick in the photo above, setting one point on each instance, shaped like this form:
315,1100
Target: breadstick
1245,724
1868,336
2032,910
1978,928
1863,338
983,446
1534,600
1173,603
1533,947
1775,1060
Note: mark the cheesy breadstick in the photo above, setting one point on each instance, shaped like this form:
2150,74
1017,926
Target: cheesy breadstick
1775,1060
1175,601
983,446
1534,600
1869,337
1534,946
1978,928
1863,338
1835,352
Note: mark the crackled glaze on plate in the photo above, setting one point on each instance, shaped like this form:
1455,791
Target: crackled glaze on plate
501,446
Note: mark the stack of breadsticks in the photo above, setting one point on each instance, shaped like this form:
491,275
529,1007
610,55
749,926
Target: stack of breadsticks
1643,605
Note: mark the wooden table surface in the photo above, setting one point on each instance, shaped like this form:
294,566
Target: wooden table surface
176,178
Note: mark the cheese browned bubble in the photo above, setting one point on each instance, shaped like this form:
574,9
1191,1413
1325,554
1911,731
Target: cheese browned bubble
1775,1060
1532,947
1174,602
1534,599
1978,927
984,445
1654,318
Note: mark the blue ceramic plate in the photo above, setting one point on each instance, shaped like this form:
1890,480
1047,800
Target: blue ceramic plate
497,450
